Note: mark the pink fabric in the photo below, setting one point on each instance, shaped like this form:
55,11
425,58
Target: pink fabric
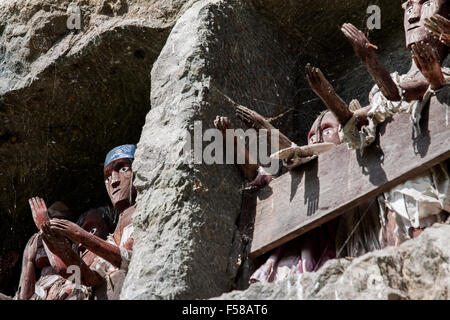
304,254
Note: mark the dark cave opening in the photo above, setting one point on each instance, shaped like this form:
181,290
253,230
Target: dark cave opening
58,130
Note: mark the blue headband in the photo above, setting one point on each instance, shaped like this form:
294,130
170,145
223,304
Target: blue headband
121,152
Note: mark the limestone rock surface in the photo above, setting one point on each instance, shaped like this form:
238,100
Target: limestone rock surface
419,269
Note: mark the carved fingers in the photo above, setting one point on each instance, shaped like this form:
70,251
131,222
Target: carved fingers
353,33
54,241
62,227
31,247
358,40
252,119
428,64
317,81
439,27
423,52
320,85
222,123
38,210
325,91
47,231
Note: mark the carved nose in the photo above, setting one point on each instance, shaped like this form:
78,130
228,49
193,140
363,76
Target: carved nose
115,181
415,15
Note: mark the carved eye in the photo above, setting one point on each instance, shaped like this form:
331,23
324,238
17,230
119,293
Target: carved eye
312,140
124,169
428,4
108,180
409,10
328,131
93,230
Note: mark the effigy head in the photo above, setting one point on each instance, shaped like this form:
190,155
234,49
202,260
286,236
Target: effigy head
97,222
119,176
416,11
59,210
324,129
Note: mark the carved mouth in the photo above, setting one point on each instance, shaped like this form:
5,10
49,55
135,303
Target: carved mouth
412,28
115,191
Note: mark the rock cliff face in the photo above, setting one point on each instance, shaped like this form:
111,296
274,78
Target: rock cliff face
418,269
69,95
144,71
187,244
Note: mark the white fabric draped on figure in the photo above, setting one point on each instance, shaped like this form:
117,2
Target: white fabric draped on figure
420,201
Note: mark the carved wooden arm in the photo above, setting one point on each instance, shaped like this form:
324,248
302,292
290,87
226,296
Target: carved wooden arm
256,121
61,247
367,54
249,168
100,247
28,275
325,91
426,60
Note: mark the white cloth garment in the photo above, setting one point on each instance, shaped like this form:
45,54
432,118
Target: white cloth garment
103,267
420,201
65,289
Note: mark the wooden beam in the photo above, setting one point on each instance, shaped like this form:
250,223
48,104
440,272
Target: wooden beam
342,179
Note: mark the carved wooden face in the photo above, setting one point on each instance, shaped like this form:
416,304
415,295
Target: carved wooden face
330,130
118,180
416,11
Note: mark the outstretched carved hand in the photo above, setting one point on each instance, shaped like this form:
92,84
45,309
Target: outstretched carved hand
358,40
249,170
439,27
54,241
428,64
38,210
256,121
365,51
65,228
223,124
262,179
322,88
253,119
317,81
31,246
58,248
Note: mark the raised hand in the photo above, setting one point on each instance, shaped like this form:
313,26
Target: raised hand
317,81
325,91
38,210
358,40
366,52
65,228
223,124
249,170
54,241
56,246
62,255
256,121
439,27
428,64
28,276
253,119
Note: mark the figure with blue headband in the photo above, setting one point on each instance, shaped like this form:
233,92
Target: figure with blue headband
111,256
